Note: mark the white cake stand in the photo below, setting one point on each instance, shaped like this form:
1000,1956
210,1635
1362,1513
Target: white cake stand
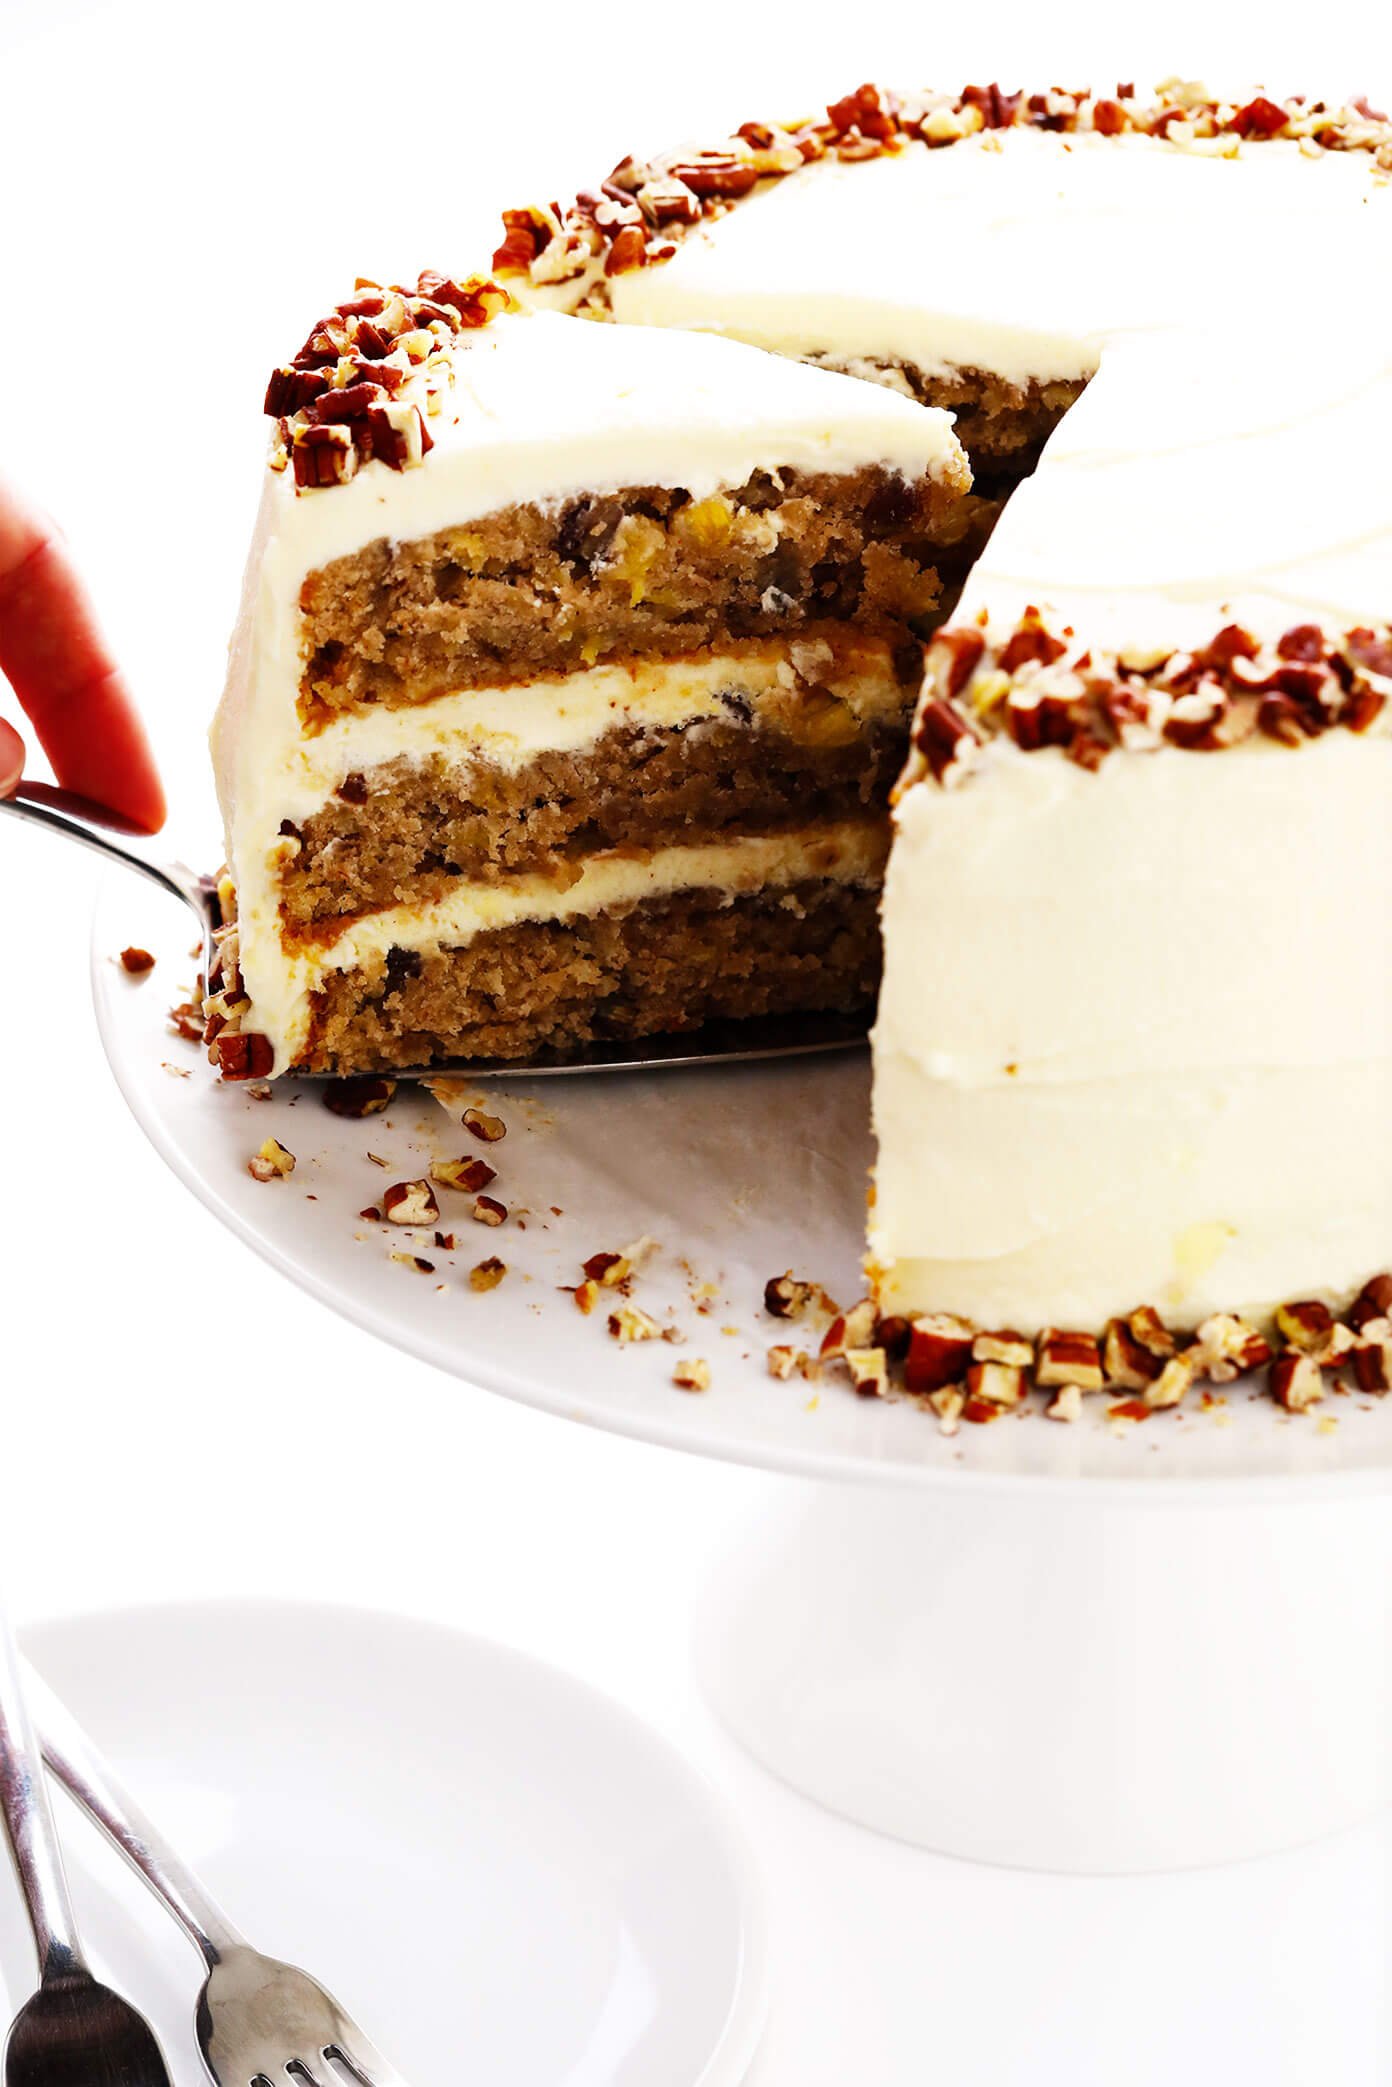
1107,1646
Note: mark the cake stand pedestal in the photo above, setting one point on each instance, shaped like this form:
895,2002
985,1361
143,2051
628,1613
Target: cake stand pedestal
1058,1683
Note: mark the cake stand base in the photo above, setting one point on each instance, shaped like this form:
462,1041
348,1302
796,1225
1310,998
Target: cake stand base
1052,1682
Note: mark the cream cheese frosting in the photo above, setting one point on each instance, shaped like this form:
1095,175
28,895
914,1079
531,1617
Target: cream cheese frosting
282,978
1020,252
1104,1073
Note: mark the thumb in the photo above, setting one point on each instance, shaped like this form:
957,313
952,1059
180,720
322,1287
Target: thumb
11,758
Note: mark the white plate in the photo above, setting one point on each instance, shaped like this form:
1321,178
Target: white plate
737,1172
502,1875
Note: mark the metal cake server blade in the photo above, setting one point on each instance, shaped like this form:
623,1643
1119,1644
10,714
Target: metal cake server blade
78,819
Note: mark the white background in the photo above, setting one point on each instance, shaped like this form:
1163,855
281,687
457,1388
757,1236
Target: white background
181,191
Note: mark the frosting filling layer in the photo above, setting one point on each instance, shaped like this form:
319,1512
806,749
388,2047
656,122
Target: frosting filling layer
280,977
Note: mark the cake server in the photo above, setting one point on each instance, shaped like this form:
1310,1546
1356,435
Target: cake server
258,2021
720,1043
72,2032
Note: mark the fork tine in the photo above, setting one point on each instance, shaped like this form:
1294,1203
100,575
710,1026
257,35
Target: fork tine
362,2064
343,2066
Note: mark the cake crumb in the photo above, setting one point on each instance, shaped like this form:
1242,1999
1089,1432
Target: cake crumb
272,1162
629,1324
692,1375
488,1274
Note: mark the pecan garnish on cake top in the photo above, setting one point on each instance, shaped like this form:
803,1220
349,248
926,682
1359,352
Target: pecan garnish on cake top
1041,687
636,217
370,373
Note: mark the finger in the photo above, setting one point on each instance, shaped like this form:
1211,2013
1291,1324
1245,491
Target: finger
11,758
53,656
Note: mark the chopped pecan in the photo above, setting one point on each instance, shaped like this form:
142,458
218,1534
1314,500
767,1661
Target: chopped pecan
488,1128
869,1368
1374,1301
630,1324
466,1176
785,1297
1295,1381
410,1203
945,739
1064,1357
1008,1347
1129,1364
997,1383
1174,1382
243,1054
1371,1357
850,1329
940,1351
356,1098
1228,1345
609,1269
1307,1325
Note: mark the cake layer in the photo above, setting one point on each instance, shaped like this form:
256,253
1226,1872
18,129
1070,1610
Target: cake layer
399,833
1212,470
281,978
648,966
1001,425
1102,1046
640,572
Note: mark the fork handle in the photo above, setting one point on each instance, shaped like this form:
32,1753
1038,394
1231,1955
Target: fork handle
93,1783
75,818
29,1826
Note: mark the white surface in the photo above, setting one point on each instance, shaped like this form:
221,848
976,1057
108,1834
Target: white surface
338,1469
436,1827
1037,1691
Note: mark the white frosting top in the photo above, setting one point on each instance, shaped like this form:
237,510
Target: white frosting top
1233,459
1020,251
544,407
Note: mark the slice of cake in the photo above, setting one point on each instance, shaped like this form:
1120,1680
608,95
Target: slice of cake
574,667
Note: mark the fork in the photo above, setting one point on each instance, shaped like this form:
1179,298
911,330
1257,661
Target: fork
259,2022
719,1043
72,2032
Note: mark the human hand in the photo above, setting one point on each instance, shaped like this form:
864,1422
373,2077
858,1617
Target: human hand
65,680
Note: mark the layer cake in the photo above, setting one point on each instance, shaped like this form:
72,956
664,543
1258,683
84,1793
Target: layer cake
1134,1047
